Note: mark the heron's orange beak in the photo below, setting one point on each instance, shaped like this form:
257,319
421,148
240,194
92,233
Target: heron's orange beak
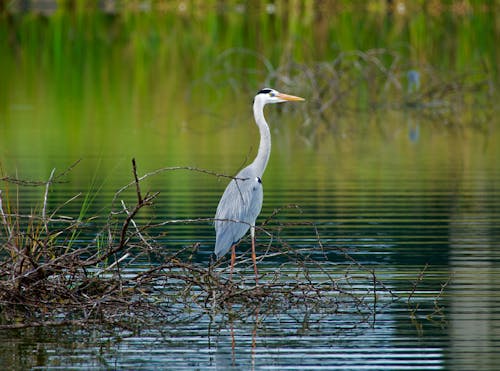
289,97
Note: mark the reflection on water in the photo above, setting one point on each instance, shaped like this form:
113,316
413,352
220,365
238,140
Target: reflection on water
474,303
451,226
417,212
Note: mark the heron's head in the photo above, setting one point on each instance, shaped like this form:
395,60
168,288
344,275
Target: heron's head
268,95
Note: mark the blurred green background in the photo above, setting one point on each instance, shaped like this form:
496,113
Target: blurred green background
171,82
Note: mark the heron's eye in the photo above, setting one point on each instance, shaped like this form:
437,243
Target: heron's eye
271,94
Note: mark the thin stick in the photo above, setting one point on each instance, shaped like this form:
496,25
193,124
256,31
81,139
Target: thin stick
45,198
136,228
137,188
254,256
36,183
4,219
113,264
173,168
233,260
141,202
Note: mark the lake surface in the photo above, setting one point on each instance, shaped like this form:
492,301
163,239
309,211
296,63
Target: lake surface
395,211
406,192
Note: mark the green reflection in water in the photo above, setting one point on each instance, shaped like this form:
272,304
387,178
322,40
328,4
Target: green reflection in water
175,89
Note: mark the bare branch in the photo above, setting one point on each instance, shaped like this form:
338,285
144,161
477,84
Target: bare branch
45,198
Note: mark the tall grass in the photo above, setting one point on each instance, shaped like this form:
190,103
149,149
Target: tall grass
189,35
140,57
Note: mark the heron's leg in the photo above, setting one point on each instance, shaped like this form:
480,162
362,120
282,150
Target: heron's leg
254,256
233,260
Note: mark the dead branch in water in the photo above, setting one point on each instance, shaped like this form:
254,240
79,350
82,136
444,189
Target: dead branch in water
48,279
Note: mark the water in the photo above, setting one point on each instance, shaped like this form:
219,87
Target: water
374,183
400,223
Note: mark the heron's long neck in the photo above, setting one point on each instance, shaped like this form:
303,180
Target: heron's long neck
260,161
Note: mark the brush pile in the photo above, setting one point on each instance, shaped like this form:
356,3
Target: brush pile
48,278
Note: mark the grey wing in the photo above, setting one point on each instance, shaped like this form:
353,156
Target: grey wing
238,209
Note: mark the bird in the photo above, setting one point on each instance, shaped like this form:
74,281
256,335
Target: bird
241,202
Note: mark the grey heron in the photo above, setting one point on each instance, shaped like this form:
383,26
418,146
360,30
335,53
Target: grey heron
241,202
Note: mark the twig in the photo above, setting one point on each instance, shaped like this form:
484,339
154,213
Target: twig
136,228
71,199
141,202
137,187
173,168
417,281
125,256
21,325
37,183
414,308
4,219
45,198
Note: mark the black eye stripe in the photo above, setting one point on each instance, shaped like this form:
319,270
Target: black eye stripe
264,91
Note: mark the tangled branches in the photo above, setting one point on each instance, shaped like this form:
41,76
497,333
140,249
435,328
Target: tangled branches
126,278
